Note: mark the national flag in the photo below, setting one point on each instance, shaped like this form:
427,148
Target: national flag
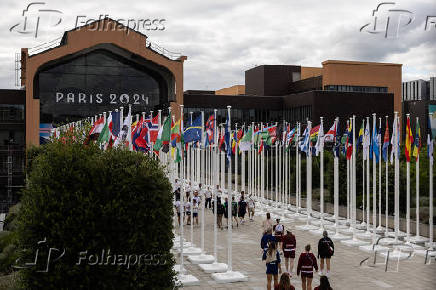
314,133
228,137
245,142
330,136
234,141
291,135
221,143
210,133
175,133
366,141
123,138
395,141
136,132
360,136
163,137
153,128
193,131
417,142
349,144
374,149
386,143
409,140
430,141
304,144
260,147
97,127
142,143
319,146
337,146
104,136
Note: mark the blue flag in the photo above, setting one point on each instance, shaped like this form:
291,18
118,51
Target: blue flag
227,138
374,145
193,132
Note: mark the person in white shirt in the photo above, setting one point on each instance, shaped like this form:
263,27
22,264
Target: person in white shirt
188,211
178,207
208,197
195,212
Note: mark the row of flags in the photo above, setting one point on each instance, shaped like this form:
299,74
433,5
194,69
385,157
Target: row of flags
146,135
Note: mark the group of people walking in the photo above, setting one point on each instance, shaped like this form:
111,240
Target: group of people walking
274,239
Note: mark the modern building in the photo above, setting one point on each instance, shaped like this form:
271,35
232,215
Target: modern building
296,93
418,100
100,67
12,144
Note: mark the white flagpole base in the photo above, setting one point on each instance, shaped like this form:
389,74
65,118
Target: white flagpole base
349,231
389,242
400,234
354,243
306,227
416,239
229,277
319,232
431,245
191,251
407,247
371,248
395,255
366,236
332,218
186,245
335,226
213,268
318,222
423,253
201,259
177,268
339,237
362,226
187,280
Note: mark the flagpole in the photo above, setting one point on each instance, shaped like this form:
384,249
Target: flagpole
417,186
386,189
407,187
380,227
363,175
368,186
353,168
243,166
298,170
431,244
321,169
236,159
336,180
309,176
397,177
348,183
374,179
202,200
182,197
229,200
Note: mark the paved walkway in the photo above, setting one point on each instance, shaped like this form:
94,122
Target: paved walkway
345,274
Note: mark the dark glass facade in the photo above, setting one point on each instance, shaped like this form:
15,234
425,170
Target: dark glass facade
93,83
357,89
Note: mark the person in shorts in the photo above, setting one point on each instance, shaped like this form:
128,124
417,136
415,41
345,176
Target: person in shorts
326,249
288,246
195,212
306,263
272,260
242,209
278,230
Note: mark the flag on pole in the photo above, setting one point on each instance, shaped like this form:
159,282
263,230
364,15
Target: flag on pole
395,141
228,137
193,131
319,146
374,149
366,141
153,128
245,142
124,132
210,127
330,136
349,141
260,147
337,146
417,142
163,137
104,136
386,143
97,127
361,134
409,140
304,144
291,136
314,133
430,141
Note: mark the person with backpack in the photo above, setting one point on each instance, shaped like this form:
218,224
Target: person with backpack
288,245
272,260
306,263
278,230
326,249
242,209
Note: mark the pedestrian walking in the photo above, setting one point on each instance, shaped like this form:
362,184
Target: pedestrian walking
195,211
234,211
326,249
267,238
324,284
178,207
220,212
285,282
188,211
306,263
208,197
278,230
273,268
242,209
288,245
267,224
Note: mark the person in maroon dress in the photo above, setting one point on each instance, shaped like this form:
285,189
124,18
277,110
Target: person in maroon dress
288,246
306,263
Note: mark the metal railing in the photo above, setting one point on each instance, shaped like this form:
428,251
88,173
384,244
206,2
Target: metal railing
163,51
44,46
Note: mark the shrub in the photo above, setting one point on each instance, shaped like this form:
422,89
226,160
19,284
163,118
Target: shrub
80,198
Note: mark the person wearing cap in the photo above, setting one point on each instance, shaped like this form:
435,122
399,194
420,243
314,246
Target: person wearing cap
288,245
278,229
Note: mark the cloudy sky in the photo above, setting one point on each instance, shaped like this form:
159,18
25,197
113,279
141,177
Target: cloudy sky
224,38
